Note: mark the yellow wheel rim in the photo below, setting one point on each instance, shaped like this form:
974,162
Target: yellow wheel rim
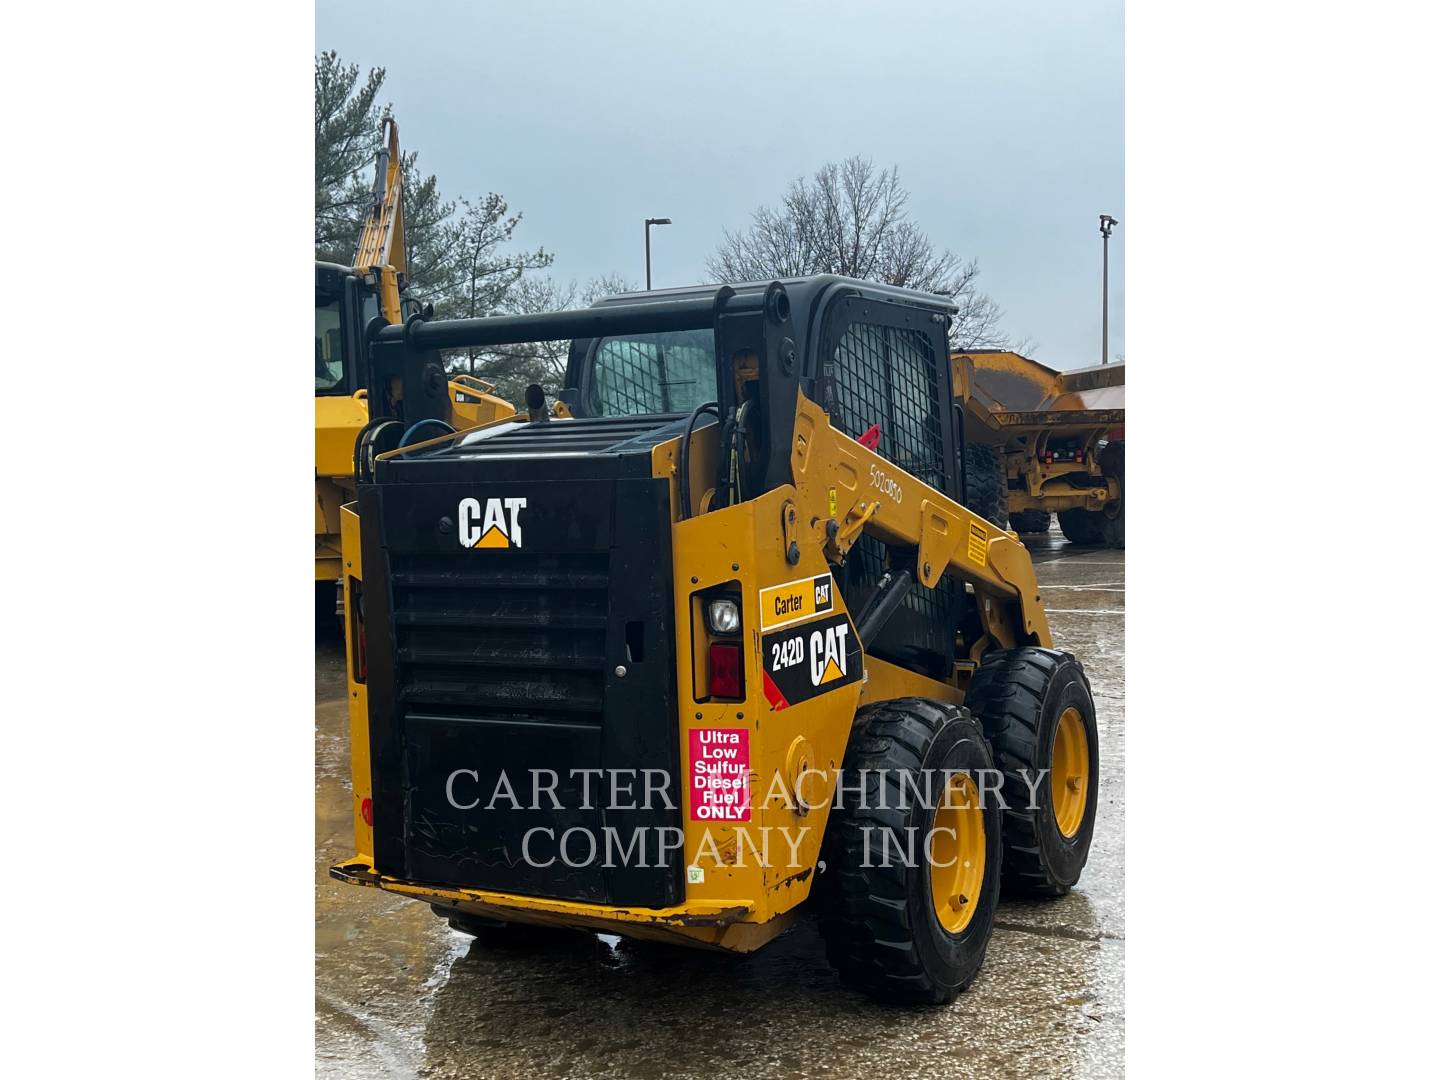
1070,772
957,850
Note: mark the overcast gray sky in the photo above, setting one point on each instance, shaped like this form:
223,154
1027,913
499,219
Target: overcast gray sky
1005,118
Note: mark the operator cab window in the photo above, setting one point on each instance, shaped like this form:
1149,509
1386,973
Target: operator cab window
329,351
886,375
653,373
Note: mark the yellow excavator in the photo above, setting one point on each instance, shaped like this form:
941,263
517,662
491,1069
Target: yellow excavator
347,300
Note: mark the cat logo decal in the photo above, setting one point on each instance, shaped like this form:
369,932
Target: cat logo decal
496,525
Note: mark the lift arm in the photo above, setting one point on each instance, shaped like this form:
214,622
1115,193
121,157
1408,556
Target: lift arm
845,489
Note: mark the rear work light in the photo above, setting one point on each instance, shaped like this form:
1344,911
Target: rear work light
727,674
723,616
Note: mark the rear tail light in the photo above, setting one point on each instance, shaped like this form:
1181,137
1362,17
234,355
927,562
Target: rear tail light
727,675
367,812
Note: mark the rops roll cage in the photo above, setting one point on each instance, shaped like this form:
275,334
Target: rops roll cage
759,357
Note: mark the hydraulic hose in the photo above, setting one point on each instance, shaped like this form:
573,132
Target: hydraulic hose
742,417
363,442
712,407
722,478
418,425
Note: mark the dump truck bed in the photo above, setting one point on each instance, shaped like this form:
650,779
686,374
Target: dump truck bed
1055,437
1004,391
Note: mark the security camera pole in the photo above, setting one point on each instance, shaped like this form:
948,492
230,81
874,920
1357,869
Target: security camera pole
648,222
1106,224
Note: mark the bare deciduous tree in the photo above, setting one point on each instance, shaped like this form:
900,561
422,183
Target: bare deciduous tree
851,219
514,367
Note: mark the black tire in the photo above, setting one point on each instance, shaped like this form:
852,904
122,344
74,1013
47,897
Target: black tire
1018,695
1080,527
1104,527
986,491
474,925
329,624
1112,463
1030,521
879,923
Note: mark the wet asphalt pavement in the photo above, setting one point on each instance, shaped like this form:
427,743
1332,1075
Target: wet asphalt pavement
399,994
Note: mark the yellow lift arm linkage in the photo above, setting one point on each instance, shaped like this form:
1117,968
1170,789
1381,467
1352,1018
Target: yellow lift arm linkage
839,480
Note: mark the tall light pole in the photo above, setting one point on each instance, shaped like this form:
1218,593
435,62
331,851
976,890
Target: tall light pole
1106,224
648,222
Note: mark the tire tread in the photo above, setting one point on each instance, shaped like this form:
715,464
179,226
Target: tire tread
1007,694
865,917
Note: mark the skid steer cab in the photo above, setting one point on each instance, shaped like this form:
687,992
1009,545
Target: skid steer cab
713,637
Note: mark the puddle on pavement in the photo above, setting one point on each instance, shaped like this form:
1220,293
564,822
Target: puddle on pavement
399,994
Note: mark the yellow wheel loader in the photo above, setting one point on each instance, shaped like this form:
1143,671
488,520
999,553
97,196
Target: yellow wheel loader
346,299
718,642
1040,442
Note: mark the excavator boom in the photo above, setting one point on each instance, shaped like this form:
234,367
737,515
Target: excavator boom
382,240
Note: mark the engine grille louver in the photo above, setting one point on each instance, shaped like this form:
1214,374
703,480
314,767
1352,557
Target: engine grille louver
505,636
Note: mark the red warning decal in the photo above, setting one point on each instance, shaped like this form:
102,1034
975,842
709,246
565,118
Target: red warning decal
719,774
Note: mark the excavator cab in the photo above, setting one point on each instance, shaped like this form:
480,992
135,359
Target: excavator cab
344,303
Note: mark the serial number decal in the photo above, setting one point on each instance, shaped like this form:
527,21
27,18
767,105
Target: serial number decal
781,605
978,541
883,483
802,662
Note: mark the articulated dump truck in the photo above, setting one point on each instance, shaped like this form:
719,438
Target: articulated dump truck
1042,442
711,640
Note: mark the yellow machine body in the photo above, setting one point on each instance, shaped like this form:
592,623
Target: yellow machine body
736,898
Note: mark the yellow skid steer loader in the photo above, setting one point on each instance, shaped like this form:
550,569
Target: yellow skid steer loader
718,641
